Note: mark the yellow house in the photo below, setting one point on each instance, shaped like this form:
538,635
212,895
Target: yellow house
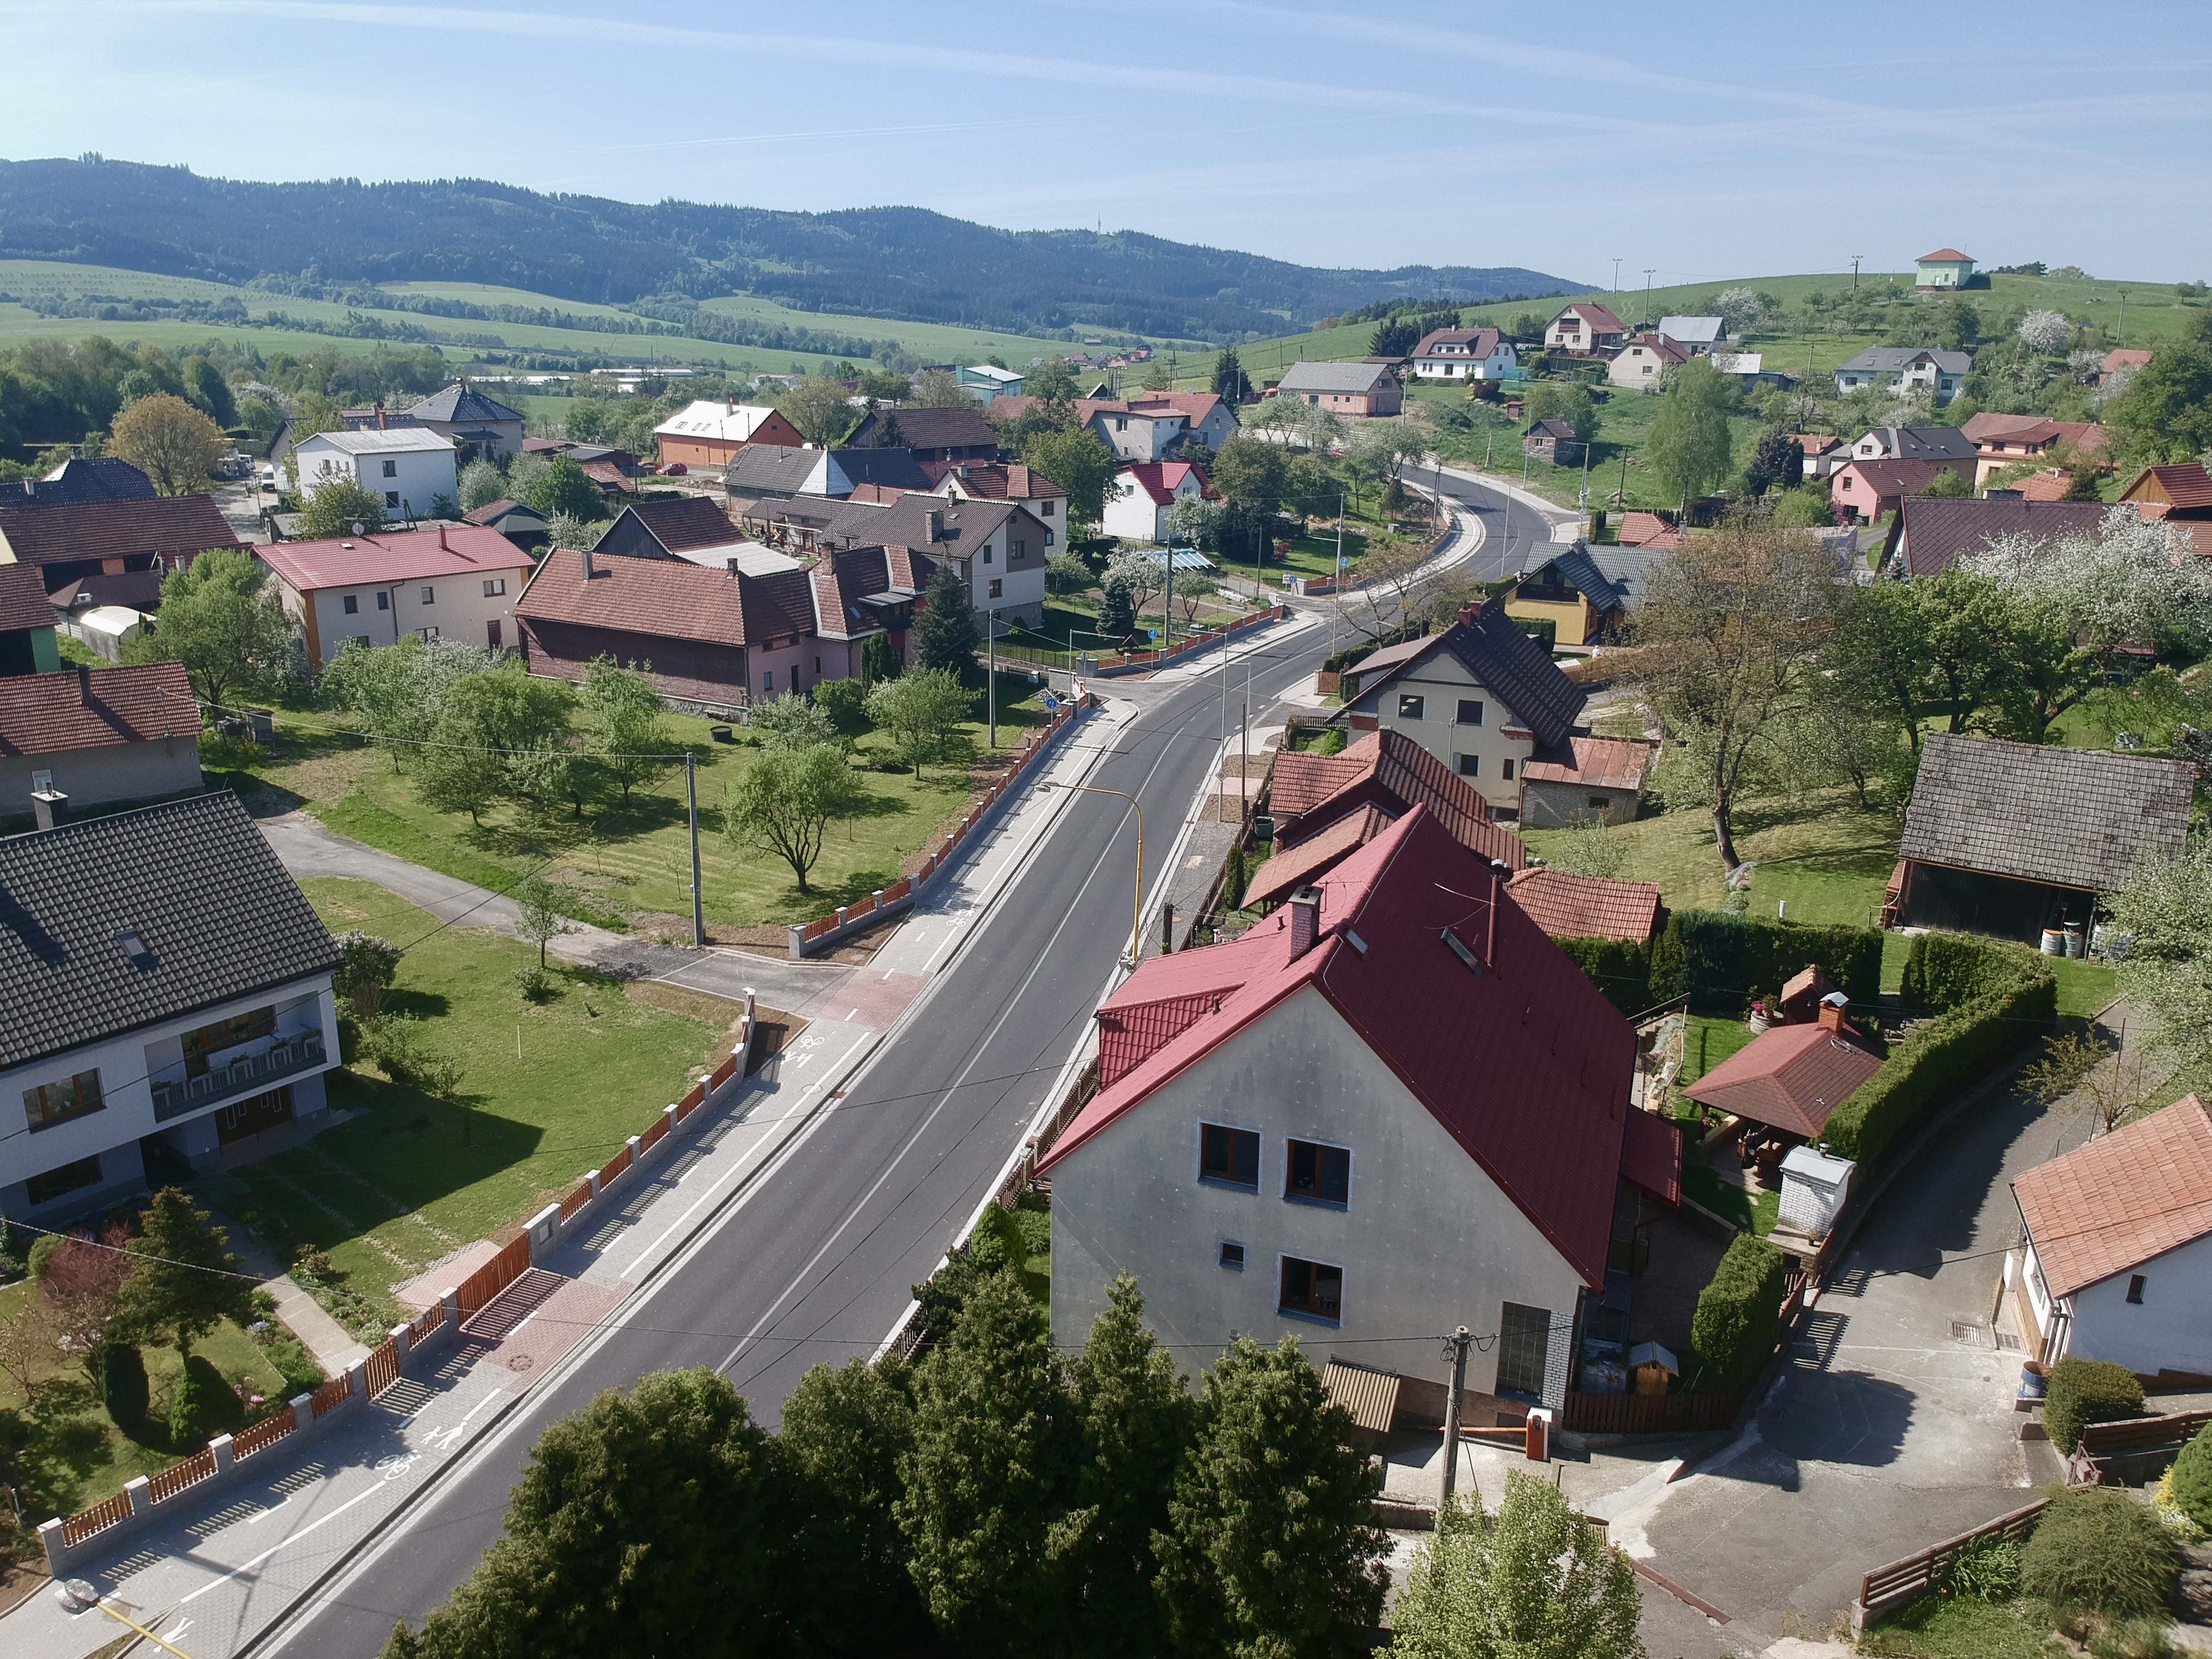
1569,591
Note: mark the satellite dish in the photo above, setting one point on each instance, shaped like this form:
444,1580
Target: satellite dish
356,527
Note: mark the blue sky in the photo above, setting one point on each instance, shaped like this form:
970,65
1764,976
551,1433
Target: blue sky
1702,140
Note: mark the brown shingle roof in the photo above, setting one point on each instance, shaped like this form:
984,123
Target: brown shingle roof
114,530
1388,769
2115,1203
23,602
1568,906
2068,818
1789,1078
2185,484
1936,532
94,709
678,522
671,598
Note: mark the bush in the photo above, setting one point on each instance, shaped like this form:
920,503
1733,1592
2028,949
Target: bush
1618,969
2087,1391
1993,997
369,966
2191,1486
203,1404
1987,1571
123,1387
844,702
1724,955
41,1254
1738,1313
2137,1638
294,1363
2095,1547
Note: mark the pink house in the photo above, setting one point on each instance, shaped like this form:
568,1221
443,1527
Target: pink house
1870,488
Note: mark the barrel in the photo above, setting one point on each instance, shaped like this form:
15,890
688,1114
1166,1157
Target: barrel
2054,942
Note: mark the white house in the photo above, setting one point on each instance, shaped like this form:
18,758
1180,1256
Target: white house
1583,328
1695,335
451,581
1386,1111
1464,354
1142,499
1480,696
409,468
163,977
1135,433
2117,1261
1905,369
1643,363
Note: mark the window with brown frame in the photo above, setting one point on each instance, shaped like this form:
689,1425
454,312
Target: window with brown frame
1312,1288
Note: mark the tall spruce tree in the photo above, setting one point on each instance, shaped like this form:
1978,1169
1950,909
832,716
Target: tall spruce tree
1267,1550
985,1479
944,634
1117,616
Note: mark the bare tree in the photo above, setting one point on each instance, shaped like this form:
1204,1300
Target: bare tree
1730,621
1394,588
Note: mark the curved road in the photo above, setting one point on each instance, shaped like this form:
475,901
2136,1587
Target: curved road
813,1263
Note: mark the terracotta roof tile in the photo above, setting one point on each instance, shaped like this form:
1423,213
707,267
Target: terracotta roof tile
1649,530
671,598
2068,818
2186,485
1387,769
1790,1076
1295,866
459,550
1525,1065
114,530
1600,763
2115,1203
1570,906
1937,532
23,602
96,708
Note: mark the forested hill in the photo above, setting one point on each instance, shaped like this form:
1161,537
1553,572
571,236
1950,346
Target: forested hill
903,263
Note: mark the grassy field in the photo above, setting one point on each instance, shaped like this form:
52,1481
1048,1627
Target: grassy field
933,342
73,1454
552,1087
1961,1628
634,861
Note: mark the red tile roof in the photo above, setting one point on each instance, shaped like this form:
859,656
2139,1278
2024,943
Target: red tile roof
1159,479
23,602
2115,1203
1944,253
2047,486
1600,763
2124,357
1790,1076
1651,1158
1568,906
405,555
1390,770
1600,319
1525,1064
2186,485
671,598
114,530
993,481
1295,866
1648,530
96,708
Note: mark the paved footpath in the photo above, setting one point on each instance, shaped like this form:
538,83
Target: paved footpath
215,1574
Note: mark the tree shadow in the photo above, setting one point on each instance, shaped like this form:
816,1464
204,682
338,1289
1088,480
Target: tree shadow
641,816
421,1004
852,889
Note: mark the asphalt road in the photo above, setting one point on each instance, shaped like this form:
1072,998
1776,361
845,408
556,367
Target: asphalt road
814,1265
1514,531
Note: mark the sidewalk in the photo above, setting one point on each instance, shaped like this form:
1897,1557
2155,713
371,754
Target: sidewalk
212,1575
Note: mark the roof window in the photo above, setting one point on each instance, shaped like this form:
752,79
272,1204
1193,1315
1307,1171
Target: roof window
134,947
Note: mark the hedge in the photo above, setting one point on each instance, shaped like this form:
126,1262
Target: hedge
2095,1547
1723,957
2017,999
2087,1391
1738,1313
1619,969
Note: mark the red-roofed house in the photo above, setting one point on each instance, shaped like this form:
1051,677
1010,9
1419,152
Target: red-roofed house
1640,529
1306,793
1464,354
2118,1263
1585,328
2002,441
1946,268
1584,778
2184,491
1387,1111
1568,906
1142,499
2125,360
449,580
1791,1077
1644,362
98,735
112,550
1871,489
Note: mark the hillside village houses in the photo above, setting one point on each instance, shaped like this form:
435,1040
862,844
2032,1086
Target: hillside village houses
1700,336
1140,501
1585,329
1464,354
481,428
709,433
412,469
1905,369
1643,363
446,581
1349,389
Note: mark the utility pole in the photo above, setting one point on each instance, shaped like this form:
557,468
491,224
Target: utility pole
1856,258
698,899
1648,270
991,674
1455,1351
1616,274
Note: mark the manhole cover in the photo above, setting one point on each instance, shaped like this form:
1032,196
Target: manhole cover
519,1362
1962,1332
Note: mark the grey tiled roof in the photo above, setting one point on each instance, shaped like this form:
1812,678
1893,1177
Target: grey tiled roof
1503,661
1335,377
459,402
1888,360
2069,817
193,878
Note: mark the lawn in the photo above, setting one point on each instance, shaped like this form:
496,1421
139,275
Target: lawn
1827,859
628,861
552,1087
73,1455
1961,1628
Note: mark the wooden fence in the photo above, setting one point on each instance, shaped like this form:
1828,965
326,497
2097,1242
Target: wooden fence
331,1395
265,1433
381,1369
97,1519
1648,1413
1893,1586
1019,1178
501,1271
2141,1434
654,1132
168,1483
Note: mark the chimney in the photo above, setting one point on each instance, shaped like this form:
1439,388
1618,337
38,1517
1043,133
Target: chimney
380,414
51,807
442,548
1832,1013
733,562
1468,612
585,554
934,522
963,470
1306,921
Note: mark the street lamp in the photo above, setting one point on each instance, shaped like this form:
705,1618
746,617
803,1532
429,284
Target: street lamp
1137,894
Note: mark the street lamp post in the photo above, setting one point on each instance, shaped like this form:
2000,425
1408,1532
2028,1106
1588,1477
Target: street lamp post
1137,893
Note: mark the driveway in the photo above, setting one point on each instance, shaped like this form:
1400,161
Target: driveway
1892,1426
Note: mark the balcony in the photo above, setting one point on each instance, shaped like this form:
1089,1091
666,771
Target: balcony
244,1073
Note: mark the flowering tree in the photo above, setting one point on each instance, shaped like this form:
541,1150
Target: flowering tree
2125,583
2046,331
1740,309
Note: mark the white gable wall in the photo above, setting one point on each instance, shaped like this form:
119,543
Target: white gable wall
1441,681
1427,1242
2170,1329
